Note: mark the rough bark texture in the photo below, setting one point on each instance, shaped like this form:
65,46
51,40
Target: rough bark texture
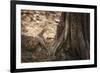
79,48
54,36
